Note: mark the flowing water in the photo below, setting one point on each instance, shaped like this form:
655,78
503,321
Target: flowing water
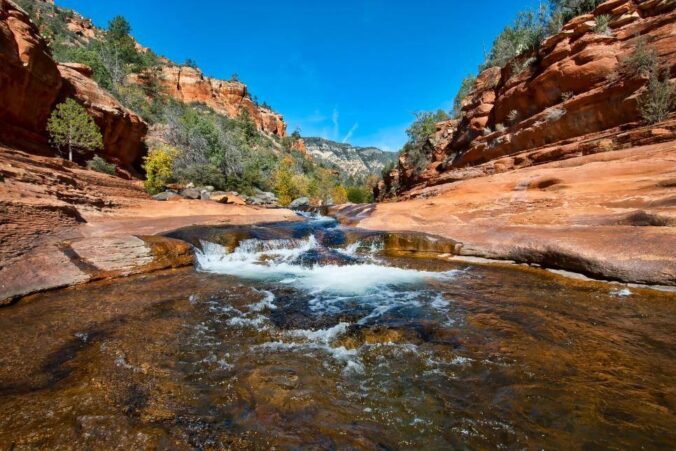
310,336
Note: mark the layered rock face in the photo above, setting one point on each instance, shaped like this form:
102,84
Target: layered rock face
31,84
122,129
573,87
189,85
354,161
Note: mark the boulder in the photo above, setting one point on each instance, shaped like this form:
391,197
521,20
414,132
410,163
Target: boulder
301,202
167,195
228,198
263,198
176,187
191,193
205,195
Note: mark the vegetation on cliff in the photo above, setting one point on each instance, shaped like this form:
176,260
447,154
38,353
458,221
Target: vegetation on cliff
551,62
191,143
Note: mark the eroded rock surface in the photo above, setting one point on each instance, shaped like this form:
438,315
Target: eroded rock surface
31,84
61,224
575,86
190,85
609,215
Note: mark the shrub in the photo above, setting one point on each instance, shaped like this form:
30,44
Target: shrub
418,133
520,66
500,127
202,174
339,195
360,194
98,164
486,131
568,9
554,114
527,32
465,88
565,96
641,62
70,127
601,26
283,182
158,165
513,116
658,99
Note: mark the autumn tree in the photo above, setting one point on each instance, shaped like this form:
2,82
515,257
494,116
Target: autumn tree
71,127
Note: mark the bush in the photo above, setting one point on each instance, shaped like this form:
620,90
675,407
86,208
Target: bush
601,26
158,165
465,88
641,62
567,9
513,116
360,194
554,114
285,186
527,32
418,133
202,174
339,195
658,99
100,165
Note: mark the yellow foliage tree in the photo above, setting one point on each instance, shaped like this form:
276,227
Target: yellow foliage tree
158,165
339,194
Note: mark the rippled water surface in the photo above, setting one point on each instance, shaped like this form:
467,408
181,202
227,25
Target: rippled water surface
305,336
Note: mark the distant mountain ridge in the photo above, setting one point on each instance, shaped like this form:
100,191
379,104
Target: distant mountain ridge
352,160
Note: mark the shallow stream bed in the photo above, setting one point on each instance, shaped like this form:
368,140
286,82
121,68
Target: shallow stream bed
309,336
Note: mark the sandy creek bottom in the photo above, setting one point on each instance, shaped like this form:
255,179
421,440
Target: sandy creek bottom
296,337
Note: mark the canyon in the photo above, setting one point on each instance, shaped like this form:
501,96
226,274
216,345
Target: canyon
511,287
551,163
355,161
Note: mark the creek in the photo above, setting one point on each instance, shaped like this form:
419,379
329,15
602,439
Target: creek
311,335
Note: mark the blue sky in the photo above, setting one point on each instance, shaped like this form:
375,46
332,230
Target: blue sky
347,70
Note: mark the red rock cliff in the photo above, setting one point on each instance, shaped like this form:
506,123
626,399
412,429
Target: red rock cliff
575,87
31,84
189,85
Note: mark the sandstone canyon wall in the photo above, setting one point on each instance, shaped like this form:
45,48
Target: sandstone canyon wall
32,83
573,86
190,85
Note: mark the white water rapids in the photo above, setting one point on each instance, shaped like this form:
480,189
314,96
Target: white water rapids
361,285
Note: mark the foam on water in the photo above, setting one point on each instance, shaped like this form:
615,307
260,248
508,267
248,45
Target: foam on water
273,261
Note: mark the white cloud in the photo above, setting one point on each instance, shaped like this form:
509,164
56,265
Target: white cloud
351,132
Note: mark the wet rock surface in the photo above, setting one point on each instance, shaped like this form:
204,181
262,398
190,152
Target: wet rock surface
192,360
608,215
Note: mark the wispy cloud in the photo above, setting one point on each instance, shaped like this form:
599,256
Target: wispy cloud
351,132
390,138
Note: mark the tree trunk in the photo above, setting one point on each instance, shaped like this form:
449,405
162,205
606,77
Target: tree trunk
70,152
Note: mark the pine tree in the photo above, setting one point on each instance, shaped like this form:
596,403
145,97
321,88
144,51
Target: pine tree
71,127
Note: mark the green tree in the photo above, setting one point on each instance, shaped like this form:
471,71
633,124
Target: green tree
71,127
118,28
